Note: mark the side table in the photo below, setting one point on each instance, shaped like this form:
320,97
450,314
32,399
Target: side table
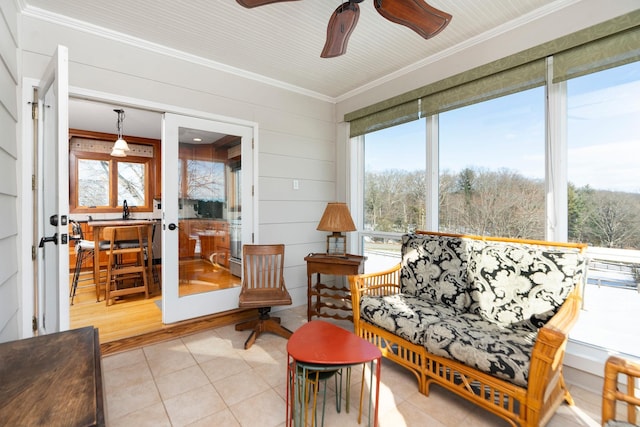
332,297
323,346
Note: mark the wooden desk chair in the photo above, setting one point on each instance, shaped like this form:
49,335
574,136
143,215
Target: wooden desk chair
611,394
262,288
125,262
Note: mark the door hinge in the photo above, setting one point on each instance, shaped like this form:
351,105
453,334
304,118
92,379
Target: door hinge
34,324
33,252
252,192
33,182
34,110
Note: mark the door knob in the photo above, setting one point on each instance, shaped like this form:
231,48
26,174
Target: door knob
44,240
172,226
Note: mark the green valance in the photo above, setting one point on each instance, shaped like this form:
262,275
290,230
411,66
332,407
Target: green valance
608,52
506,82
393,116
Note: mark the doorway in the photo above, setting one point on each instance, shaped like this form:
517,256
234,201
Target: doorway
210,215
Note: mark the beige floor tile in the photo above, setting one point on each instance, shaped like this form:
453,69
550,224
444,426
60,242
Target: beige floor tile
407,415
208,345
194,405
163,363
127,375
125,400
223,418
125,358
442,405
151,416
265,409
239,387
162,348
179,382
222,367
265,353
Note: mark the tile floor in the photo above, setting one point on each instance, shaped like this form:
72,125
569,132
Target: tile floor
208,379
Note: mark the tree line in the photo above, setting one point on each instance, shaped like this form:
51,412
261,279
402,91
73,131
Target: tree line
498,203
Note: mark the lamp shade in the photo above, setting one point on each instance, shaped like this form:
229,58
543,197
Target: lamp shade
336,218
121,145
115,152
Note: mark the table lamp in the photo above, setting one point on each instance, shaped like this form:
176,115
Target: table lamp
337,219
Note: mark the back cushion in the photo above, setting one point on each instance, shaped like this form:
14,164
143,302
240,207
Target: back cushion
435,268
517,285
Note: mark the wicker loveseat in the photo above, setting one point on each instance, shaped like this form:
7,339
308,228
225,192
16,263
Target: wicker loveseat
487,318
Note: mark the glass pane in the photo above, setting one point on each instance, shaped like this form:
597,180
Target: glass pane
210,228
492,167
394,190
93,182
131,179
206,180
604,202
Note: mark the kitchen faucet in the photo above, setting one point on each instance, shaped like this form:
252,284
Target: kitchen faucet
125,210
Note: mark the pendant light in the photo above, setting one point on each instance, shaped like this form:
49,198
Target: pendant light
120,147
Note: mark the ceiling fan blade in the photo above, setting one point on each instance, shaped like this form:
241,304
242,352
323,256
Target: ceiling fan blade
254,3
415,14
341,24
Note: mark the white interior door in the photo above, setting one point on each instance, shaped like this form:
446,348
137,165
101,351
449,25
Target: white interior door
174,306
52,196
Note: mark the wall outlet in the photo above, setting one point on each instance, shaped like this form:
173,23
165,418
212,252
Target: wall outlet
296,184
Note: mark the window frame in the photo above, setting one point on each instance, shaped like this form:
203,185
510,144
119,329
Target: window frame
151,180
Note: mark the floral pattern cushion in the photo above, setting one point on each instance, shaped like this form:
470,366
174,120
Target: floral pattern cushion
521,285
435,268
403,315
483,345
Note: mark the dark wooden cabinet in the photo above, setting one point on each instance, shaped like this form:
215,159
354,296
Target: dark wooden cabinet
52,380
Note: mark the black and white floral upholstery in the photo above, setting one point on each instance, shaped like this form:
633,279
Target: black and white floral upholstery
403,315
513,284
435,268
483,345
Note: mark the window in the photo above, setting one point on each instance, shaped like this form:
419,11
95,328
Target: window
604,202
394,190
492,167
93,182
100,183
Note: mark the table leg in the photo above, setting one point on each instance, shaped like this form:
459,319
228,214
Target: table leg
309,307
96,260
150,253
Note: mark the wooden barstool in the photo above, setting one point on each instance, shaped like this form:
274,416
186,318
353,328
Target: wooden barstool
126,262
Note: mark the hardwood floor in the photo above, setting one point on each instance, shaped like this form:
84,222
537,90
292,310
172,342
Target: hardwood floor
133,320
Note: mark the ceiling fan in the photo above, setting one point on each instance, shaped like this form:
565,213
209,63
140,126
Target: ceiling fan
415,14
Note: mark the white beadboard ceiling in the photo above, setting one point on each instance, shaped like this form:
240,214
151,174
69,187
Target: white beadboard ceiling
281,43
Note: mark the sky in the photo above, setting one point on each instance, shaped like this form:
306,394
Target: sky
508,132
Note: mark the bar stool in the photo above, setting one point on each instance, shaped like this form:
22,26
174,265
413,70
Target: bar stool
145,246
84,251
119,268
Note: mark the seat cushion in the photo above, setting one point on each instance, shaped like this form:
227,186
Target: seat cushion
521,285
435,268
483,345
404,315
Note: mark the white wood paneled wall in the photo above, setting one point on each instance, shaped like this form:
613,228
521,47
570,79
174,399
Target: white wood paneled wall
9,284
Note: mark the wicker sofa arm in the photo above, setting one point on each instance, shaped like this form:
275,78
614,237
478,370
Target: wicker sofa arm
545,371
380,283
614,393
